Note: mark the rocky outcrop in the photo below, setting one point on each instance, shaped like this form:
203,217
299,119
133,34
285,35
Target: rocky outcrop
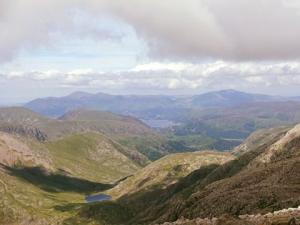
290,216
14,150
26,131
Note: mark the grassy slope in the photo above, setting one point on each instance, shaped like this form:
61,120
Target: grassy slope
249,184
91,156
22,201
126,130
77,165
167,171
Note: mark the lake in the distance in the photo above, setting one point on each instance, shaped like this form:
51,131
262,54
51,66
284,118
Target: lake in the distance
159,123
97,198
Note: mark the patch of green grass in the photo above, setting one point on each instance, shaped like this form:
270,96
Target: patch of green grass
153,148
92,152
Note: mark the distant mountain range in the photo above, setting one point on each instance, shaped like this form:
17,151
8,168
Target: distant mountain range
148,106
215,120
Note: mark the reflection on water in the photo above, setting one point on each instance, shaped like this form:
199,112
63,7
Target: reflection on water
97,198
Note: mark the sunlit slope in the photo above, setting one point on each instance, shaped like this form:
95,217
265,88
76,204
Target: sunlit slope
167,171
92,156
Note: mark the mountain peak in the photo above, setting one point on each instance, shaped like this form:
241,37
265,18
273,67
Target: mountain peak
80,94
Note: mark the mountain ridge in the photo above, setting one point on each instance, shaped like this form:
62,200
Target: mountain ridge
57,106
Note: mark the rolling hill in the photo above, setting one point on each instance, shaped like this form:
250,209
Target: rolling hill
140,141
227,98
126,130
225,128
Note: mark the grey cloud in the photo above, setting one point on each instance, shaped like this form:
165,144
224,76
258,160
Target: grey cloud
231,30
173,29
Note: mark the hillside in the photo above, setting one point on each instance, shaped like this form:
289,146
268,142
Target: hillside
241,186
262,179
259,138
225,128
167,171
131,133
126,130
226,98
74,122
108,123
38,179
15,151
92,151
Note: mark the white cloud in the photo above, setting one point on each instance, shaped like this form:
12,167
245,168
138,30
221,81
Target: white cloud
176,67
183,77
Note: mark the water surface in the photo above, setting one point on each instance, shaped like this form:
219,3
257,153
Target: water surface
97,198
159,123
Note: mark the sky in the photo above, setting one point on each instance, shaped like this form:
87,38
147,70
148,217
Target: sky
55,47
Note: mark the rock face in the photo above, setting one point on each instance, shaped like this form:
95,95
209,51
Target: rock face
285,147
14,151
31,132
289,216
259,138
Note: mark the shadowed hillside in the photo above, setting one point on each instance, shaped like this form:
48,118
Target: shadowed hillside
263,179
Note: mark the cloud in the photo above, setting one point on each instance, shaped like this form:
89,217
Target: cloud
234,29
159,77
30,24
240,30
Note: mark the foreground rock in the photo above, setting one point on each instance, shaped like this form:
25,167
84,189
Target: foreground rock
289,216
